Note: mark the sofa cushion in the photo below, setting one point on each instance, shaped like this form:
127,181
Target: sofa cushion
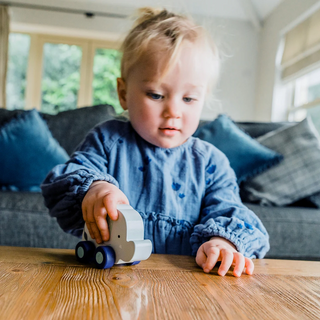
247,157
25,222
257,129
70,127
28,152
297,176
291,231
315,199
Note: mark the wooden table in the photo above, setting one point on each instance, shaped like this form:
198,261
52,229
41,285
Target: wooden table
51,284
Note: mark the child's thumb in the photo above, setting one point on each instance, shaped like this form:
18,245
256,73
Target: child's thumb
111,207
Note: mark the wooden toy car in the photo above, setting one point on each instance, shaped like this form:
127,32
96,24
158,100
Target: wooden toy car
126,244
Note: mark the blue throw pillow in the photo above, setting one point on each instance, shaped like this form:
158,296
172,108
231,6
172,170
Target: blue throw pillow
28,152
247,157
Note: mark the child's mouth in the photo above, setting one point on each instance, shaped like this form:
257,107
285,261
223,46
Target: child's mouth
169,131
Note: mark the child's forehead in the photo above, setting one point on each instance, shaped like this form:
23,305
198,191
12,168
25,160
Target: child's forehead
160,62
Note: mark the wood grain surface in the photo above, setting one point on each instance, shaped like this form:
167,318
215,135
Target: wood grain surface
51,284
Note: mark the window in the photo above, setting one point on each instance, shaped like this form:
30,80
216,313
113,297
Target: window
306,97
299,71
19,45
106,70
54,74
60,77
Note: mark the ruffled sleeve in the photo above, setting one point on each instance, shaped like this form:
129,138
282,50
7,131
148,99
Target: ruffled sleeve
224,215
66,185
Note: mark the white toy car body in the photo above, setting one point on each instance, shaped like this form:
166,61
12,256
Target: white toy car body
126,244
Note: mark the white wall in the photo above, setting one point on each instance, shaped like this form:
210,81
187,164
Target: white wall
238,44
285,14
237,40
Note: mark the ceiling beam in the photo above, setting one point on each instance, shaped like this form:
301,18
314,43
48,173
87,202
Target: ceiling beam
251,13
88,14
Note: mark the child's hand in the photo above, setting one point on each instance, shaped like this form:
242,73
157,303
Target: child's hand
220,249
101,200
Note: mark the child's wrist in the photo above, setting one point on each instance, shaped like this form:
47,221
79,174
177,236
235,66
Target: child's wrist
223,240
94,183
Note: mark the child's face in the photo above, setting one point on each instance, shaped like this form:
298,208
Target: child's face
165,111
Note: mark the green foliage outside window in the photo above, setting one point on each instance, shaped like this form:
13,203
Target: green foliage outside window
61,77
60,81
106,70
19,45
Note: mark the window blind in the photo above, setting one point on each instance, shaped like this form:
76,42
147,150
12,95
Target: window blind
302,46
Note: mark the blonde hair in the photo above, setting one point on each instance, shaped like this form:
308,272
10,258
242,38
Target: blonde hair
162,32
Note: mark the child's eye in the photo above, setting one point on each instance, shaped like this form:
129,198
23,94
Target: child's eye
187,99
154,96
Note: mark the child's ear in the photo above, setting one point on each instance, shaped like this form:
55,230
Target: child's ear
122,93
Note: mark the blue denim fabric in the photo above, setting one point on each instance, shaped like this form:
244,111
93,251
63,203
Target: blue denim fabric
185,195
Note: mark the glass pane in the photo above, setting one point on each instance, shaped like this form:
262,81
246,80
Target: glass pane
106,70
307,88
314,91
314,113
61,77
19,45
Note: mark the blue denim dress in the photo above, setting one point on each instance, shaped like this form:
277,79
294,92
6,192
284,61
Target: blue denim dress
185,195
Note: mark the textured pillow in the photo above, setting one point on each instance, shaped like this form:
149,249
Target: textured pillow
70,127
315,199
297,176
28,152
247,157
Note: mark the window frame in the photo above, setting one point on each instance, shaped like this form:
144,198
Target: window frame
289,88
35,66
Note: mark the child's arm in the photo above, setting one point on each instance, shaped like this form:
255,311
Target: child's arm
66,185
224,216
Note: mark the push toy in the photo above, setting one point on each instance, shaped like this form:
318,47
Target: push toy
126,244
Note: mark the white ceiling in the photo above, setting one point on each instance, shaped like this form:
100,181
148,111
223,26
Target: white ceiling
236,9
220,8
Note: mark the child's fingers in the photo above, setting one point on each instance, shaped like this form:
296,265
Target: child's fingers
110,204
249,266
90,230
95,231
212,258
226,261
89,219
100,214
111,207
239,261
201,257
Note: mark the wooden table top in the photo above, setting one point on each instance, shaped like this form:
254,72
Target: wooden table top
51,284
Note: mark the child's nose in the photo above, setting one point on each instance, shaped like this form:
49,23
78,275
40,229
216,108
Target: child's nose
172,109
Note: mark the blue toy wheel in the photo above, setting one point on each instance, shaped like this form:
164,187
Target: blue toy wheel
85,251
105,257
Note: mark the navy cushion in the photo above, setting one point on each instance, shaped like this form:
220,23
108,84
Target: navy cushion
247,157
28,152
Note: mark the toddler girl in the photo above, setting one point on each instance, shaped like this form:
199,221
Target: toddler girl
183,187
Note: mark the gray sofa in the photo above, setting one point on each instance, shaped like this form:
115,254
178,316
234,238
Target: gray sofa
25,220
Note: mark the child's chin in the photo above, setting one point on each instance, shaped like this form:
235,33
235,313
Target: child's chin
168,144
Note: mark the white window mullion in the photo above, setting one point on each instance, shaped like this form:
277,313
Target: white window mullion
86,75
34,73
